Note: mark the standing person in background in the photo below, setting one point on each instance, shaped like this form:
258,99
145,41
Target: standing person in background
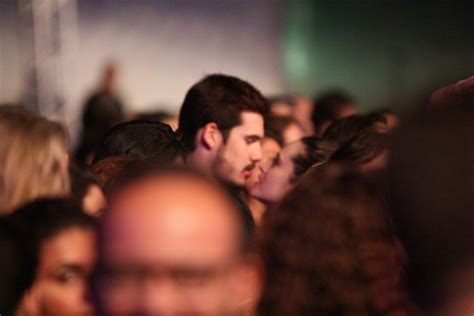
221,123
101,111
329,107
33,159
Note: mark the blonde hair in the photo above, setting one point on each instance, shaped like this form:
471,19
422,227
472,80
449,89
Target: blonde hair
33,159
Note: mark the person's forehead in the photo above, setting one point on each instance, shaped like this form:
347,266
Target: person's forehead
251,123
181,221
74,246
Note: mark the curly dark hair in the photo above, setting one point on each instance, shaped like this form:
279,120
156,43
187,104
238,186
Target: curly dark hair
328,250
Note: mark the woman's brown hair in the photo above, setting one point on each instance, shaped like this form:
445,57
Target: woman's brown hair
328,250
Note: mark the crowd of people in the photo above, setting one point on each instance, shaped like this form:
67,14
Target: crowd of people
242,205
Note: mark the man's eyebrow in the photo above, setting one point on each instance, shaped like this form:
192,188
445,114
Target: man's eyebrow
73,267
253,138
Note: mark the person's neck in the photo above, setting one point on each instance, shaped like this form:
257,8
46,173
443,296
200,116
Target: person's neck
199,160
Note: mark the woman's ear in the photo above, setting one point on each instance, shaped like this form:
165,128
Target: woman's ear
211,136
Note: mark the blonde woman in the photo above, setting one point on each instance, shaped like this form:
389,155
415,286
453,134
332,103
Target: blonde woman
33,159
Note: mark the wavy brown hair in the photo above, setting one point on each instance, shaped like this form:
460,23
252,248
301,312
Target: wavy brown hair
328,250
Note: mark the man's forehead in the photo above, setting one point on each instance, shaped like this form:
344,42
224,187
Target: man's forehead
169,192
251,123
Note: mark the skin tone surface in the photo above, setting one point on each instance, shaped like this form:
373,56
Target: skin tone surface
169,253
292,133
94,201
61,286
270,149
276,182
238,155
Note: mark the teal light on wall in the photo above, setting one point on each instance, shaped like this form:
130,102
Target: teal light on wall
384,53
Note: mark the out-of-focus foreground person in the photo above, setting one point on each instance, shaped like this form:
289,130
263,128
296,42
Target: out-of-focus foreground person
173,243
329,107
432,182
327,250
33,159
17,270
62,241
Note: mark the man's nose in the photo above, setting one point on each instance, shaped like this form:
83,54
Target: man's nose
256,153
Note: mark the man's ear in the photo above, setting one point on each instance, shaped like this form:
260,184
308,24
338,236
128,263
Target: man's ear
211,136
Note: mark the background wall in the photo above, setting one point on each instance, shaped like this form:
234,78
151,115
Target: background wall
384,52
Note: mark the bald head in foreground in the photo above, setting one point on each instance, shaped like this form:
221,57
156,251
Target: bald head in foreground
173,243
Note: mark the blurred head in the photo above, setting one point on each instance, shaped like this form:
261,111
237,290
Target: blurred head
109,77
290,163
221,121
109,170
329,107
63,241
367,152
328,250
284,129
431,181
302,110
33,159
280,106
86,190
141,140
17,270
163,252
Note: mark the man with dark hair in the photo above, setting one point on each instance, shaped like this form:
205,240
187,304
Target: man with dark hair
221,121
163,252
329,107
141,140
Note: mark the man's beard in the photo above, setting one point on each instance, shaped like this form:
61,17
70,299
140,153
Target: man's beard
223,167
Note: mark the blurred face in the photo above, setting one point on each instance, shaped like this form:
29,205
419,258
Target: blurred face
270,149
276,182
94,200
302,113
65,264
292,133
239,154
169,253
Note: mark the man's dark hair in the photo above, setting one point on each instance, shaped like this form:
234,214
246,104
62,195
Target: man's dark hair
141,140
217,98
316,151
328,106
17,270
45,218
